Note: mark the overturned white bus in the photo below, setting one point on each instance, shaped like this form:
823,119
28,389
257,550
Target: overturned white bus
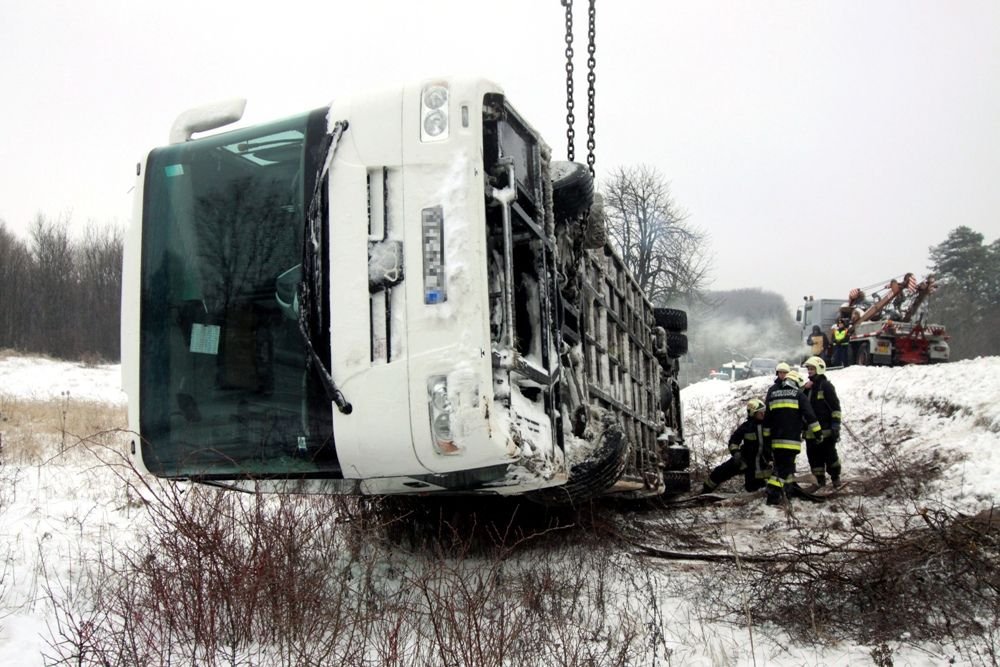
398,293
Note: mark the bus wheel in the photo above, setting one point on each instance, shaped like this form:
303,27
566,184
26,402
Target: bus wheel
572,189
671,319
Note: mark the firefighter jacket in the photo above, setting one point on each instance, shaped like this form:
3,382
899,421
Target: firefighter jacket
823,399
788,413
752,432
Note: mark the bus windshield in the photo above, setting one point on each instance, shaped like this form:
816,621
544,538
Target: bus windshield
225,386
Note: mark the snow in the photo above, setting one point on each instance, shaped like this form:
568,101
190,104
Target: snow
45,379
54,514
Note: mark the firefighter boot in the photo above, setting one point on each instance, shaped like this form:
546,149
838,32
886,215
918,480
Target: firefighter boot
821,480
835,479
774,495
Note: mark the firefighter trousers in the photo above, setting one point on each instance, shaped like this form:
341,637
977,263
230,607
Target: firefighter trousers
784,473
823,457
752,462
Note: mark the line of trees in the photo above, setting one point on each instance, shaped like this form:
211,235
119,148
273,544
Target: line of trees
59,295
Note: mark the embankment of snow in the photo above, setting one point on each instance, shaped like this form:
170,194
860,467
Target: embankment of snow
953,408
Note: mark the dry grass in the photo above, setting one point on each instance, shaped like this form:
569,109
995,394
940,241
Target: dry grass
34,431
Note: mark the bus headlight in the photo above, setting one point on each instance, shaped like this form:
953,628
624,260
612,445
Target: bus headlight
441,426
441,412
435,96
438,390
434,112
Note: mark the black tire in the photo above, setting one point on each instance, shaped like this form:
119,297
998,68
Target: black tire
590,478
862,357
671,319
677,344
572,189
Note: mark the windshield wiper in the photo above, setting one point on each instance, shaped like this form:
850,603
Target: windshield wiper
312,269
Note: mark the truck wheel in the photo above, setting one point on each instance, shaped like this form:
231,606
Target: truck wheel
677,344
671,319
572,189
862,356
591,477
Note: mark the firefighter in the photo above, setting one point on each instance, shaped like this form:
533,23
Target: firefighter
749,452
788,414
822,396
780,371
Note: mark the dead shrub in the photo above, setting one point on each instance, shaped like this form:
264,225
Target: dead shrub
932,578
215,577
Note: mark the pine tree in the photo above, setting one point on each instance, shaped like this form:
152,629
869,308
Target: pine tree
968,273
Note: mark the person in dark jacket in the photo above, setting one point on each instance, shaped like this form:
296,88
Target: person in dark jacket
822,396
788,414
819,344
749,452
780,371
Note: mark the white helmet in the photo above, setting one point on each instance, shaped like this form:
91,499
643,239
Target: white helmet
817,363
794,378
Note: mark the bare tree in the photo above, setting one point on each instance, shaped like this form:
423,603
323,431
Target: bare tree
54,289
99,261
651,232
15,265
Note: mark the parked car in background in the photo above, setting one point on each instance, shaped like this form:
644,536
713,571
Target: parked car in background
759,366
735,369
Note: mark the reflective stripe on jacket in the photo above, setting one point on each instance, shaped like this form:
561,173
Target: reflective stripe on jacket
788,412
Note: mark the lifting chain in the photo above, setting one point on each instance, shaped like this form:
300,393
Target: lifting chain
591,79
570,118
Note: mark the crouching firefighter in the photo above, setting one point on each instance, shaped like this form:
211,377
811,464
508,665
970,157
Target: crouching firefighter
788,414
822,397
749,452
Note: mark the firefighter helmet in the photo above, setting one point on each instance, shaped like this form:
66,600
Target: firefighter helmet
754,405
782,367
795,378
817,363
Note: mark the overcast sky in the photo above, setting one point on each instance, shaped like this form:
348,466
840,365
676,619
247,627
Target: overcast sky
821,145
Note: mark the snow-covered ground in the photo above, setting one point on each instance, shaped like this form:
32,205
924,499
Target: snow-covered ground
951,408
44,379
54,514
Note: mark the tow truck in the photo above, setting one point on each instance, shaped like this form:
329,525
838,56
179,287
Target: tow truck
887,327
